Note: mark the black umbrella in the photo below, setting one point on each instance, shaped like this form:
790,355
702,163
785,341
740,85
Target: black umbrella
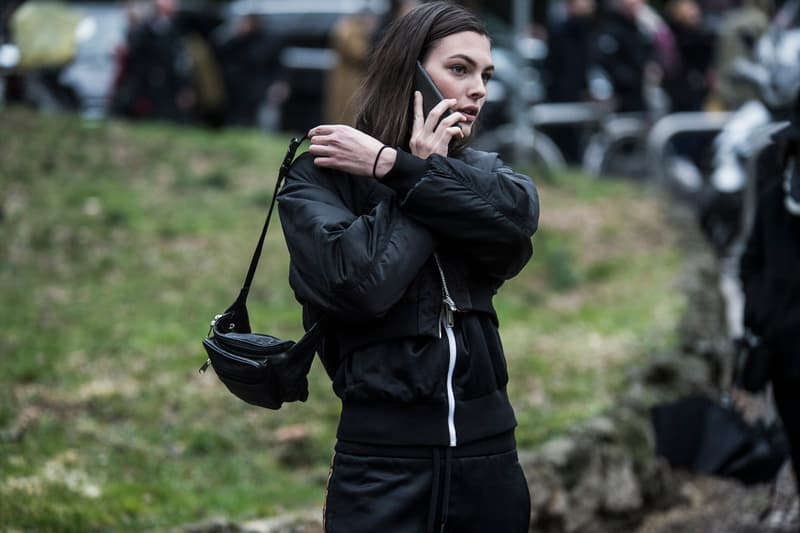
702,435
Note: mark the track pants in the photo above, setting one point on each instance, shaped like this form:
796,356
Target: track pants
426,489
787,401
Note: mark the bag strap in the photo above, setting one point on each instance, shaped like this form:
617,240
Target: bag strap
294,144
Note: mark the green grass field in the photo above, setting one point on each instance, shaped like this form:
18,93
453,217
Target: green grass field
119,243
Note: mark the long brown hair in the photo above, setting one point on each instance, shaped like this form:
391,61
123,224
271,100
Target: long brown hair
385,96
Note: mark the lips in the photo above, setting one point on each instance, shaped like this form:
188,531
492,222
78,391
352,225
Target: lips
470,112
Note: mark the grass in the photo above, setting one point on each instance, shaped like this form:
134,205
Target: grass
118,244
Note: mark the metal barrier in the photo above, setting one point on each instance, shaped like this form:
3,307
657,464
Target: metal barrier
668,126
572,113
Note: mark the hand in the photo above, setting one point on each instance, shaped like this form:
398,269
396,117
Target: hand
428,135
347,149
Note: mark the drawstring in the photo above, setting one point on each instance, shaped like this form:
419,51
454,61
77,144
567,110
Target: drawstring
440,490
434,491
446,489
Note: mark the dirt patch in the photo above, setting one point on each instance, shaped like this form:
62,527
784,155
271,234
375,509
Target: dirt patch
714,505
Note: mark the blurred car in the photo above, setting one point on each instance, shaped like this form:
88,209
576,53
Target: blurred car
64,55
90,75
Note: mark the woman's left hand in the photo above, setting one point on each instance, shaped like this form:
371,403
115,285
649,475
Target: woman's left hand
347,149
432,134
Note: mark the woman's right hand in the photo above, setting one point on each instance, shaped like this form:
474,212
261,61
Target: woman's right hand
347,149
428,135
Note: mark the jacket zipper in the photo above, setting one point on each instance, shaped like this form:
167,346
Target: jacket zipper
448,319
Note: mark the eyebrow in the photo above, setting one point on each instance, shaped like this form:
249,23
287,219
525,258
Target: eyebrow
470,61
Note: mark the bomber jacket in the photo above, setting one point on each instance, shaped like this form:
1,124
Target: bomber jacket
769,270
404,269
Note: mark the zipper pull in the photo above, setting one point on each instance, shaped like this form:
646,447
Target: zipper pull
205,366
449,307
211,327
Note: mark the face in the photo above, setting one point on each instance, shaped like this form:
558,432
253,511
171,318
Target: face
461,66
688,12
581,8
166,7
632,7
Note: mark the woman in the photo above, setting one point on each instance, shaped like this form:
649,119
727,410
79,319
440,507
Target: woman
769,270
401,236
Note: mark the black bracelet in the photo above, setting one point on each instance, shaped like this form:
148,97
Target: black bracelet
377,157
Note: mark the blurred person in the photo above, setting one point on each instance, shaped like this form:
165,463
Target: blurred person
626,51
400,235
156,76
687,84
252,70
351,39
207,82
665,49
739,30
397,8
570,50
769,270
570,56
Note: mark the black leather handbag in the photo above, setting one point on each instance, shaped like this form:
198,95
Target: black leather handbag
258,368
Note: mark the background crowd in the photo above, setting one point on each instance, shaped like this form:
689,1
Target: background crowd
179,63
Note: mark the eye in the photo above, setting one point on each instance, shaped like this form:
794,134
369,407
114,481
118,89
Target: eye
487,76
459,69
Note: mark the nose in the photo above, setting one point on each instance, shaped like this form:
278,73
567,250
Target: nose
477,87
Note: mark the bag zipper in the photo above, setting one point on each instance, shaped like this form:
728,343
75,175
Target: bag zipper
260,362
254,349
205,366
448,319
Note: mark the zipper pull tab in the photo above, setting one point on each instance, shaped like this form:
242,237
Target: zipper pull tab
205,366
449,307
211,327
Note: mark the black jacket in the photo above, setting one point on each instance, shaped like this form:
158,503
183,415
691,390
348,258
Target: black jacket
570,56
362,251
624,51
770,272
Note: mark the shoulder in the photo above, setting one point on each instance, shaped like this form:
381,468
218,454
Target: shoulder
303,163
480,159
303,169
304,175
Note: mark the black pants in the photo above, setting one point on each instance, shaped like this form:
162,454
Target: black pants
787,400
418,489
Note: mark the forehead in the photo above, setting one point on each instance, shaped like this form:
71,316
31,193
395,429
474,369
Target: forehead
469,43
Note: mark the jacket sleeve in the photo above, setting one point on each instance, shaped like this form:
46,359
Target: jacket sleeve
486,209
358,265
751,272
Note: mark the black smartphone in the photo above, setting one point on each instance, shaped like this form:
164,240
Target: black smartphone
430,93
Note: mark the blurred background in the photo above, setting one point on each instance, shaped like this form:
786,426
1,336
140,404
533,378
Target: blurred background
578,83
139,143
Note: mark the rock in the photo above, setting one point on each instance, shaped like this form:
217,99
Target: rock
621,490
310,522
210,525
557,452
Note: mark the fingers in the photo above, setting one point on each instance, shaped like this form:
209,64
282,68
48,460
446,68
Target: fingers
326,133
322,129
320,149
455,132
435,116
343,148
453,120
419,119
